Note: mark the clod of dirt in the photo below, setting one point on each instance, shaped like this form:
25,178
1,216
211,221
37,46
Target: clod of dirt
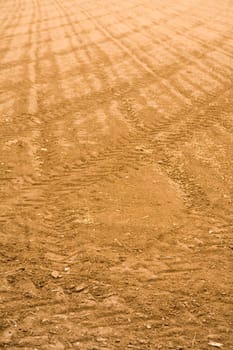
59,294
56,274
4,285
215,345
56,345
6,335
27,323
28,288
142,148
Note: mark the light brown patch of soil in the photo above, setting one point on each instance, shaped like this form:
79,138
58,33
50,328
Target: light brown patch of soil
116,174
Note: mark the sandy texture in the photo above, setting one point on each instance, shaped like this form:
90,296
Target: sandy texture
116,174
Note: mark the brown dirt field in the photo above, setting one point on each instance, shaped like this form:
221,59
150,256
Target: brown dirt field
116,173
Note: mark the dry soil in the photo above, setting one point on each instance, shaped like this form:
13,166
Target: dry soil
116,154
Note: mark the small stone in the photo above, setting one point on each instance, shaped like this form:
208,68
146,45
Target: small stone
215,344
200,242
80,288
55,274
100,339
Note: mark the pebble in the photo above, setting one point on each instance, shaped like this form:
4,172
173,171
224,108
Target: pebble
215,344
55,274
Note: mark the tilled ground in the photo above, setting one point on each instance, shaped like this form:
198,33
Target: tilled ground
116,175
